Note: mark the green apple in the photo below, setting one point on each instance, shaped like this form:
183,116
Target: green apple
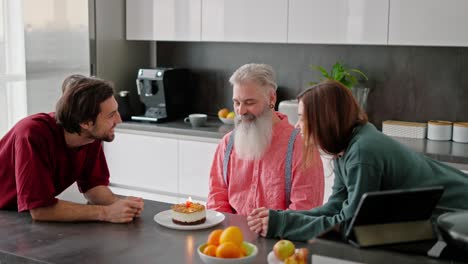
230,115
283,249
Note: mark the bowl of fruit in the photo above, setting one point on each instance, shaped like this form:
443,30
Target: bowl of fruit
285,252
226,116
227,247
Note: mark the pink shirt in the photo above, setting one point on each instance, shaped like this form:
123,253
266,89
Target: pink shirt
261,183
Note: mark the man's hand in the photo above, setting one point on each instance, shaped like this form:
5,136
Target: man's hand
258,221
137,199
123,210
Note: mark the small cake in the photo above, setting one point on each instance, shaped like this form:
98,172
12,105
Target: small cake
188,214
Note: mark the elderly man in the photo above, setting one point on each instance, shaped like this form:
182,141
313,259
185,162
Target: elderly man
259,163
43,154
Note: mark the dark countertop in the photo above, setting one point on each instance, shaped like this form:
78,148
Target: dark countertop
23,240
214,128
328,251
445,151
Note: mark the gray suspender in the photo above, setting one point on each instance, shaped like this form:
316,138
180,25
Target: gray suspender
287,167
227,154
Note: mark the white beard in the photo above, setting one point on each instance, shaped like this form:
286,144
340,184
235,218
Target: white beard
252,139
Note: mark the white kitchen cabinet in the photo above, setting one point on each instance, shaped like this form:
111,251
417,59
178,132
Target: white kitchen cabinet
244,20
171,20
338,21
139,20
145,195
195,160
72,194
428,22
143,162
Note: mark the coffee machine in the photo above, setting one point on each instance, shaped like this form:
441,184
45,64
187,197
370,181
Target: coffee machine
163,91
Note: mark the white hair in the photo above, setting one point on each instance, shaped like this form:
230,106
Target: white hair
252,139
262,74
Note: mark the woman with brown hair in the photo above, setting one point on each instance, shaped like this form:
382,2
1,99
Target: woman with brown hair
364,160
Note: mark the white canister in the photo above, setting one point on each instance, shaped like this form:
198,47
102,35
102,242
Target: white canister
439,130
460,132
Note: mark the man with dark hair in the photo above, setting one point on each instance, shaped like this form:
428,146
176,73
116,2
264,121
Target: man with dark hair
44,154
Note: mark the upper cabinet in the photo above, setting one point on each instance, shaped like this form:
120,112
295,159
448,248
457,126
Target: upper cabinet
428,22
338,21
361,22
245,20
174,20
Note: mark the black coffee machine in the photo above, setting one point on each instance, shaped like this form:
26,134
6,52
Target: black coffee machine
163,91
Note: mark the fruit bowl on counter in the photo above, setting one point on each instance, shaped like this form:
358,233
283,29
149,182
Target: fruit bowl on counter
227,247
250,256
226,116
227,121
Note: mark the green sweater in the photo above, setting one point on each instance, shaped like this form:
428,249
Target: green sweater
372,162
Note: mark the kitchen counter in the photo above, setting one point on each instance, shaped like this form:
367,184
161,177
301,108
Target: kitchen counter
213,129
23,240
456,154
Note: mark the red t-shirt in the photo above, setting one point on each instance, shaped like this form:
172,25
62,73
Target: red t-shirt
36,165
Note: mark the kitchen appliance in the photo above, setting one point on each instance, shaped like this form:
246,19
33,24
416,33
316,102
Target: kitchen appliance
289,108
164,92
124,105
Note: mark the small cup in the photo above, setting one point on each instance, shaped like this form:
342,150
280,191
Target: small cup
197,120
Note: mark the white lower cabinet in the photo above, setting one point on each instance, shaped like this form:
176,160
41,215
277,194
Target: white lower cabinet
155,167
142,161
195,160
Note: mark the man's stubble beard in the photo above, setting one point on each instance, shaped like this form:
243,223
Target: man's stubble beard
108,137
252,139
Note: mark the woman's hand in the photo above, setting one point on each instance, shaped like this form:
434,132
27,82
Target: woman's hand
258,221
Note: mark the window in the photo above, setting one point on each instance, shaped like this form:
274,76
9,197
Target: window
12,65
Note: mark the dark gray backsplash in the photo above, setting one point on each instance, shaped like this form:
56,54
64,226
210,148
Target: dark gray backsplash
408,83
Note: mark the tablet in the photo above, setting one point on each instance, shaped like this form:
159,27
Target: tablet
384,208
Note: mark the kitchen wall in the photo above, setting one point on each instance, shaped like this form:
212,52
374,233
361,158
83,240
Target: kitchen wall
408,83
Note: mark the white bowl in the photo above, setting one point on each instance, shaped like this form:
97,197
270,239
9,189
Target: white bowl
251,254
227,121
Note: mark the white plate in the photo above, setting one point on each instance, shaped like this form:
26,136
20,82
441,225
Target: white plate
213,218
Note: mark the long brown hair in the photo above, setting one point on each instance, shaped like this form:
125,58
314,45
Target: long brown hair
81,101
330,114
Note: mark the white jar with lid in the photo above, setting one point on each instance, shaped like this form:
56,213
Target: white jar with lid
439,130
460,132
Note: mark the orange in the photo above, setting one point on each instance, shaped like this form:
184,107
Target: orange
228,250
210,250
213,238
232,234
223,112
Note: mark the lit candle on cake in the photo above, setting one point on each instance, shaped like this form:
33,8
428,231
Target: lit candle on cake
188,203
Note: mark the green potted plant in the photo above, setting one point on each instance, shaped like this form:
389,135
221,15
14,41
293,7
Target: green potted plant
341,74
348,77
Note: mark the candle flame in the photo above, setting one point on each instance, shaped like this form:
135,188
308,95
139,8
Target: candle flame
190,198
